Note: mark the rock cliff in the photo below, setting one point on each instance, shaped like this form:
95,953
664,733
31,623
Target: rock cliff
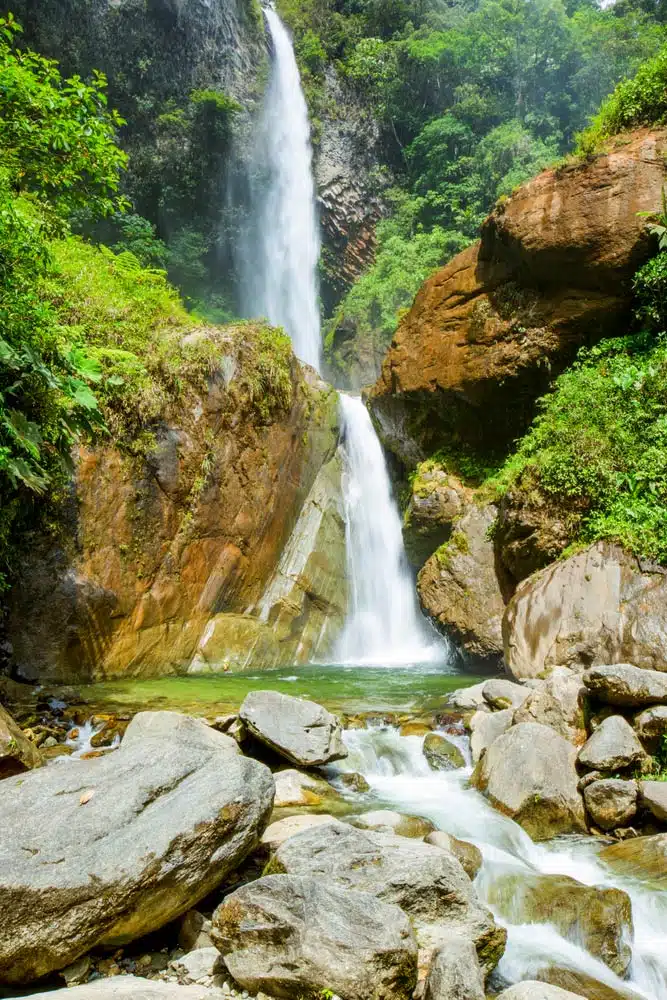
488,332
169,560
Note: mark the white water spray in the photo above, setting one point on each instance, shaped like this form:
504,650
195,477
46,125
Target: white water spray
280,281
384,625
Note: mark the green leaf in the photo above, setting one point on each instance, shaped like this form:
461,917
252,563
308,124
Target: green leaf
89,368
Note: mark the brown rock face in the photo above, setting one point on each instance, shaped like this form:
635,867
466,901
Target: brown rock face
167,549
487,333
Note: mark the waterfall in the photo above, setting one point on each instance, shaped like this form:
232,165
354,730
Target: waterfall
280,266
384,625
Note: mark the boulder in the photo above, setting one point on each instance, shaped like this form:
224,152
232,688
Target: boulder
398,823
200,964
596,918
611,802
558,702
597,607
149,829
455,973
650,726
644,858
437,501
293,788
427,883
299,730
172,726
130,988
280,831
612,747
625,685
289,935
528,773
500,693
17,752
654,798
441,753
534,990
469,856
193,932
590,987
485,727
459,590
468,697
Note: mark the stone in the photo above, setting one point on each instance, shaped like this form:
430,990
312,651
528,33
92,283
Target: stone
500,693
643,858
586,985
468,697
528,773
427,882
77,972
611,802
441,753
150,829
485,727
488,332
179,728
355,781
299,730
612,747
559,702
534,990
194,931
459,589
276,833
398,823
467,854
653,796
293,788
200,964
437,501
597,607
651,726
17,752
455,973
294,934
130,988
625,685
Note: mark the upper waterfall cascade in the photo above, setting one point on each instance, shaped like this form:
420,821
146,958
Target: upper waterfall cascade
280,279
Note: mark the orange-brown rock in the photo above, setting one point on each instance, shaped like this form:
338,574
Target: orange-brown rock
167,549
552,272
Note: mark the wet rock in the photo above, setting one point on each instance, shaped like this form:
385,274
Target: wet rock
441,753
611,802
654,798
626,685
612,747
276,833
398,823
468,697
459,590
650,726
17,753
587,986
558,702
597,607
467,854
290,934
150,829
500,693
415,728
130,988
642,857
427,882
455,973
528,773
355,781
598,919
535,990
299,730
485,727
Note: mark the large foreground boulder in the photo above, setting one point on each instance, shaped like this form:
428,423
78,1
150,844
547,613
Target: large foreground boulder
291,936
104,851
455,973
428,883
625,685
529,773
17,753
130,988
299,730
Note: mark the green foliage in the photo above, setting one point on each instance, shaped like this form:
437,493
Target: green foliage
650,286
137,235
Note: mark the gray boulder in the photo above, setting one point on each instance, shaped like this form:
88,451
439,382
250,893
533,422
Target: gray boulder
280,831
534,990
301,731
455,973
500,693
625,685
293,788
528,773
612,747
130,988
292,935
147,830
654,798
17,753
558,702
181,728
467,854
468,697
428,883
650,726
389,821
485,727
611,802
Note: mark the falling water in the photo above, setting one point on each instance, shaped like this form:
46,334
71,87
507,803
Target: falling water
280,280
384,625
